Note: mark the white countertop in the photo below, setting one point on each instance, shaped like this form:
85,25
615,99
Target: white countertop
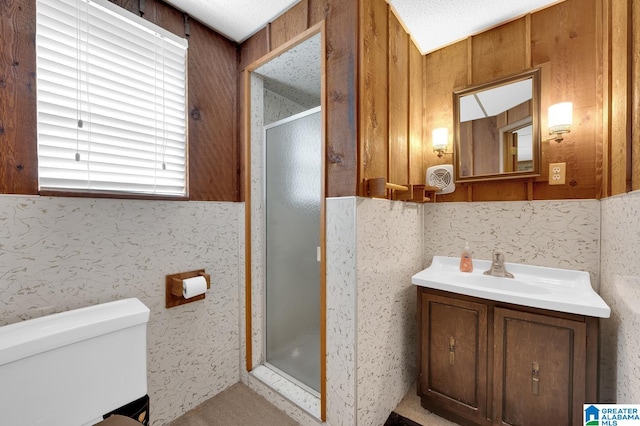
561,290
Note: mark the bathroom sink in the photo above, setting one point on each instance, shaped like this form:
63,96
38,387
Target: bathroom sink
561,290
508,285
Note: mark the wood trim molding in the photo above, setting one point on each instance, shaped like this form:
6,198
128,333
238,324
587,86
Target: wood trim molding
620,99
602,166
246,123
635,94
318,28
323,224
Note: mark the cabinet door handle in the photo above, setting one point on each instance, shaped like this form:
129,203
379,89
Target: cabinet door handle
452,350
535,378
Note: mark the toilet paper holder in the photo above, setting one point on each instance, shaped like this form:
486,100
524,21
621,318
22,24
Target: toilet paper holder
173,291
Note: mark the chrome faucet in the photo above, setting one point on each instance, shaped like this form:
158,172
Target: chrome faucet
497,266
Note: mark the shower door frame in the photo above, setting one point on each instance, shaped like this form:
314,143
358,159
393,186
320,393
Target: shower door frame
321,197
318,28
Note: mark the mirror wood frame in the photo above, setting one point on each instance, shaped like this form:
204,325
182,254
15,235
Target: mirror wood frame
460,155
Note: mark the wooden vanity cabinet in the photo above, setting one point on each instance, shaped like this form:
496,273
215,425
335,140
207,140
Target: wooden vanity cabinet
540,369
489,363
453,365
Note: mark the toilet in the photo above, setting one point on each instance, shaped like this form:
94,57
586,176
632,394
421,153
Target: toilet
72,368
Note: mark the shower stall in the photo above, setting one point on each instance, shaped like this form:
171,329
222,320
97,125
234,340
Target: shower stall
328,331
284,226
292,175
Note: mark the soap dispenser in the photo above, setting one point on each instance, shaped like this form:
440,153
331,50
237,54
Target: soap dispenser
466,264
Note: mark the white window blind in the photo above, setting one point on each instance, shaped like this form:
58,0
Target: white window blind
111,91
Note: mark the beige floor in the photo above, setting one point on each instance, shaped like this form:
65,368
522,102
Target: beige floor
410,408
236,406
241,406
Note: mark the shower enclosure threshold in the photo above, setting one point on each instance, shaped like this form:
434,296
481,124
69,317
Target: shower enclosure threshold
298,393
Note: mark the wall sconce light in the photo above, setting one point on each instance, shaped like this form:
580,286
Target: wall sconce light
440,140
560,118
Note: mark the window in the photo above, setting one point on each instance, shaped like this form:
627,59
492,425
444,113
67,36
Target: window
111,101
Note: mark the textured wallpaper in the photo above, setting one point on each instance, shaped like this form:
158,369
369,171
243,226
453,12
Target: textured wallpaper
373,248
277,107
341,310
63,253
557,234
620,288
60,253
389,252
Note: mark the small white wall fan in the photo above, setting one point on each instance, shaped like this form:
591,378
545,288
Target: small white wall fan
441,177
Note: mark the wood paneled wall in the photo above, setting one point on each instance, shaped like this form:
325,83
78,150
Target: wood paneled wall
570,42
390,103
623,150
565,41
18,130
589,53
212,108
375,96
383,97
374,109
340,18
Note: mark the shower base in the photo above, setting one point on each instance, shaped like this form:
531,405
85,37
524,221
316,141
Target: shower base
299,359
289,388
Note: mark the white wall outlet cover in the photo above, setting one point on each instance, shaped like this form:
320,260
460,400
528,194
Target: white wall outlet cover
441,177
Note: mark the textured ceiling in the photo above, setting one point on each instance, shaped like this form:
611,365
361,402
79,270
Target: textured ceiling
296,73
437,23
236,19
431,23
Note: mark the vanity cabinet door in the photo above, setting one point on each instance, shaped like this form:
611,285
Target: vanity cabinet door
454,355
539,375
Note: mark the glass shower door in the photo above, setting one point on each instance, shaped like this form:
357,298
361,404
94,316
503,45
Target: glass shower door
292,202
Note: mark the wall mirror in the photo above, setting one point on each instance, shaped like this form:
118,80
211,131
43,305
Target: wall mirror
497,129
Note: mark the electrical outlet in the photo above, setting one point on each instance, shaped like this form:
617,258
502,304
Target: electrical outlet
557,173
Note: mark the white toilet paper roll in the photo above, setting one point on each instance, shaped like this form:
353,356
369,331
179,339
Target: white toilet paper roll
192,287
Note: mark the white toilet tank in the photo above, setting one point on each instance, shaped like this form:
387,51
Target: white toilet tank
69,369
